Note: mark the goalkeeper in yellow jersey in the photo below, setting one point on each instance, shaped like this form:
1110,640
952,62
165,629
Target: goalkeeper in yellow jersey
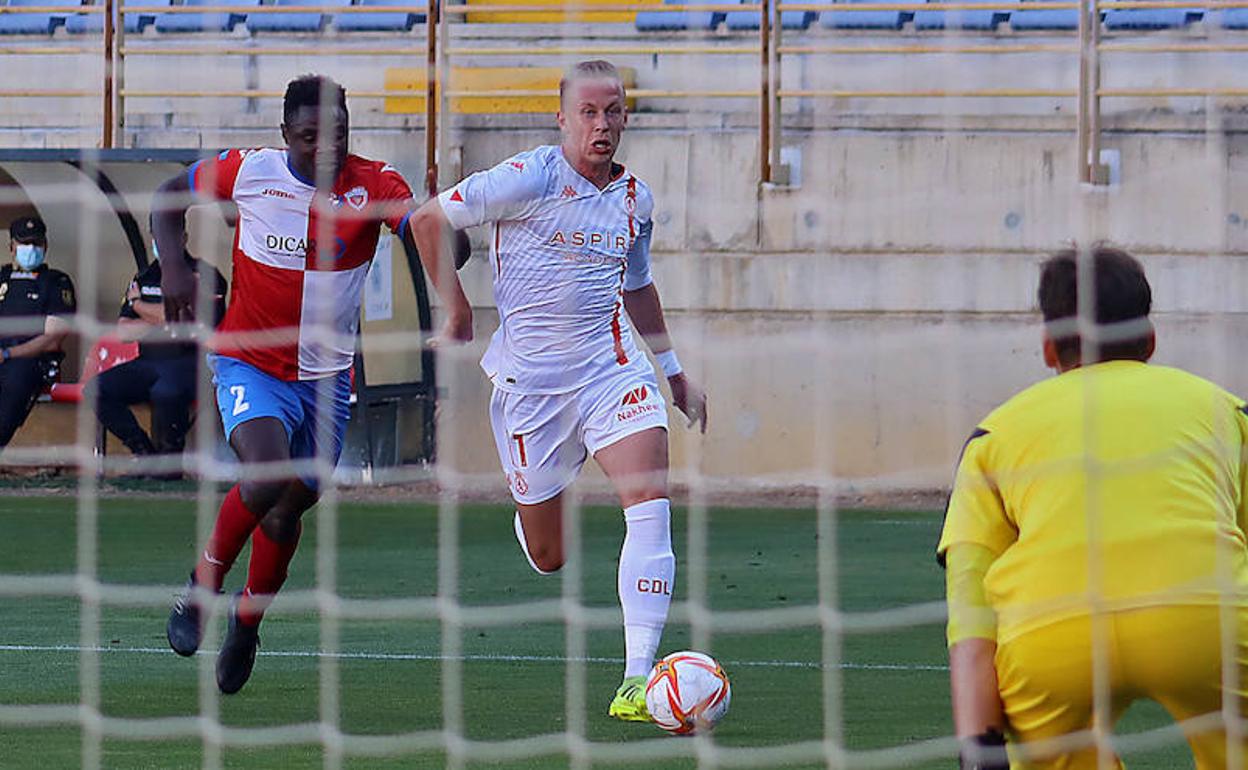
1094,542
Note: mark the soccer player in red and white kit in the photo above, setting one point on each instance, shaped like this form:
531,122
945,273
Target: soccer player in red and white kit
570,253
281,361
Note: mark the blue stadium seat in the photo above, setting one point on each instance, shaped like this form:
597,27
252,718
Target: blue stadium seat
1151,18
867,19
93,24
1230,18
739,21
382,21
984,21
174,23
292,22
1047,19
659,21
35,23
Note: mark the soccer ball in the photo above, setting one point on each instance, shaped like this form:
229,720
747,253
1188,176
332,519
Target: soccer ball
687,692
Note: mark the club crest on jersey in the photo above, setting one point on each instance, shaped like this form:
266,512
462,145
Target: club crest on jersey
568,191
455,196
357,198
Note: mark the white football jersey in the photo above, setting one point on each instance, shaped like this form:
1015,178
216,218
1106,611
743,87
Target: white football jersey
562,253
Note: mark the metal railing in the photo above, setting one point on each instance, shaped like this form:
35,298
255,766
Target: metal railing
768,48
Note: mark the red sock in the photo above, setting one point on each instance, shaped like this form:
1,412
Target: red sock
266,573
234,525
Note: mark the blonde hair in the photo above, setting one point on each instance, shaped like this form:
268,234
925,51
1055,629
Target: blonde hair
594,69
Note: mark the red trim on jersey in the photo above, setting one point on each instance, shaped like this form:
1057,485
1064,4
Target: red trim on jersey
617,340
630,205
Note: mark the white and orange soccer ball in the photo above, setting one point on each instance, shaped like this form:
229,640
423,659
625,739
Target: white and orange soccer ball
687,692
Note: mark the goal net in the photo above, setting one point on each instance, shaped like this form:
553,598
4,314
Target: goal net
851,204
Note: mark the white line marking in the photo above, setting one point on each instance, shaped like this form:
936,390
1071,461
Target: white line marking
473,658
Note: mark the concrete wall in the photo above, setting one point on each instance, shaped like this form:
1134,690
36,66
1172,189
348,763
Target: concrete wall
855,328
852,328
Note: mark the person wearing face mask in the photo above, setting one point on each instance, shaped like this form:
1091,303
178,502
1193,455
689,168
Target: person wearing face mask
166,372
34,302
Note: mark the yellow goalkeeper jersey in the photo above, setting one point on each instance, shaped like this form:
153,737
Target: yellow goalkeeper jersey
1115,485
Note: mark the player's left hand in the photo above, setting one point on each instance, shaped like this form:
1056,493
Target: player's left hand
457,330
690,399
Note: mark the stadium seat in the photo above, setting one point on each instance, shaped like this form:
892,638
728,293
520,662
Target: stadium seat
1047,19
292,22
1150,18
848,19
984,21
660,21
93,24
1230,18
382,21
739,21
35,23
202,22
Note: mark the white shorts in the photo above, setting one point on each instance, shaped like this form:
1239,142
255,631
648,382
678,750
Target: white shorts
543,439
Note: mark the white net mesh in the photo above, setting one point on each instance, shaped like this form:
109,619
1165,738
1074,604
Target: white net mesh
851,202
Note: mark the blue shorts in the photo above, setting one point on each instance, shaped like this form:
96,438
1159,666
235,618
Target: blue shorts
246,393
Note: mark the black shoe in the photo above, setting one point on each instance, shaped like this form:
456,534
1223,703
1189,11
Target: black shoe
238,652
185,628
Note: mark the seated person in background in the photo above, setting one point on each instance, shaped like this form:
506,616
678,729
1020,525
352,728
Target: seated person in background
34,300
165,373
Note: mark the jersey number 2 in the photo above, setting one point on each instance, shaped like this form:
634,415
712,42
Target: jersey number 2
240,399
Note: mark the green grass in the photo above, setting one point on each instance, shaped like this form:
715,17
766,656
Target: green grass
893,692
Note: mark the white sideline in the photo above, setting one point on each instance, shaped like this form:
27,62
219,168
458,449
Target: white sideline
470,658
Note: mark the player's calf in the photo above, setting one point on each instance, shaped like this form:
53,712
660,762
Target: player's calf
544,557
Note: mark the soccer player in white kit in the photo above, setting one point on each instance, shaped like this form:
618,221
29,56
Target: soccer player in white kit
570,253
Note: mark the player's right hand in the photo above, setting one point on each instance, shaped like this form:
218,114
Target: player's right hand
177,287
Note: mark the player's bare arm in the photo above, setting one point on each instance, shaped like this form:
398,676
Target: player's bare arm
978,716
646,312
177,282
435,239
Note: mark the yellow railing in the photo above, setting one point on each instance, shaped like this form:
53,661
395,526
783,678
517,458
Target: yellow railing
768,48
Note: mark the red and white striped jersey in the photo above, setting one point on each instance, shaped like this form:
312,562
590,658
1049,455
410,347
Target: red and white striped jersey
562,253
294,308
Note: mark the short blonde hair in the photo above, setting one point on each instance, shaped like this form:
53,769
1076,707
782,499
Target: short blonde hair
594,69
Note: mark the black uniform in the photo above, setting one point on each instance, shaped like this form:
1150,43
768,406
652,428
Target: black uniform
164,374
27,298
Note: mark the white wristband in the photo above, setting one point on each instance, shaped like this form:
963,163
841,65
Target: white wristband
669,363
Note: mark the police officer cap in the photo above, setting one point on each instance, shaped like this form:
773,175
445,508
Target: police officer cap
28,229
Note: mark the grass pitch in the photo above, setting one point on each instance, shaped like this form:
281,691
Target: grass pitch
893,690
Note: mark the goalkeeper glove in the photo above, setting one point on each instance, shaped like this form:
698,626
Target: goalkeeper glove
985,751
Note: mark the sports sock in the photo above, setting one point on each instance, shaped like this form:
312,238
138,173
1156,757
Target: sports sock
234,525
266,573
647,574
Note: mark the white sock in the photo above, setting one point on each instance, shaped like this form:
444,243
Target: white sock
524,546
647,574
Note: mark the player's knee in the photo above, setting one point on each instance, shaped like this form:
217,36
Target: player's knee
281,526
261,496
